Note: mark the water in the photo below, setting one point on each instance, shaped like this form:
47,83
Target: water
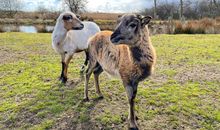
27,28
49,28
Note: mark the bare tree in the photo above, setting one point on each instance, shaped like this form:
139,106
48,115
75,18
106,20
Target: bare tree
185,9
190,9
214,8
76,5
42,10
10,7
155,9
165,10
216,3
181,9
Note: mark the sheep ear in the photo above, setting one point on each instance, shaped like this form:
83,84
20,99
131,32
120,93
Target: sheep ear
119,16
78,16
145,20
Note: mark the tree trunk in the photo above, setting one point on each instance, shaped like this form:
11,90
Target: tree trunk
155,9
181,9
211,9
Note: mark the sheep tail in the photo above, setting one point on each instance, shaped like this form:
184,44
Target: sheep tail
85,62
87,58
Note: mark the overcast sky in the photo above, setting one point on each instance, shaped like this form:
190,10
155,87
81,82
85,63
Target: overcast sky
115,6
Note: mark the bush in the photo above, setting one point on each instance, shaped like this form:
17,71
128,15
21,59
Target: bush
41,29
191,27
1,29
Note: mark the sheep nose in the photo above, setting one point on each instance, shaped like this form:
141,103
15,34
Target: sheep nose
82,25
79,27
115,37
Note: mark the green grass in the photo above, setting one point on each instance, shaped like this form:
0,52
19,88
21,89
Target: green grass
184,92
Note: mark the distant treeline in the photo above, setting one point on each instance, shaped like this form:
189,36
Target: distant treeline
191,9
44,15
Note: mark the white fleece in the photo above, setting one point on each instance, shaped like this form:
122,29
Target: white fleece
73,40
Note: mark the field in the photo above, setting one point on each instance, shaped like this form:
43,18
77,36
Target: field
183,93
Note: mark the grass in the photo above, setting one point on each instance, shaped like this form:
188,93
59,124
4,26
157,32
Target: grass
184,92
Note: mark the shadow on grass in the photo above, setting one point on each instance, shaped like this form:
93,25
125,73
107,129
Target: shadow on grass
47,105
79,117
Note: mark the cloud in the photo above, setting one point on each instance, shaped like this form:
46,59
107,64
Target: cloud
118,5
32,5
93,5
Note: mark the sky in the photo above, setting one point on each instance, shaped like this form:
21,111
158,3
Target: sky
118,5
113,6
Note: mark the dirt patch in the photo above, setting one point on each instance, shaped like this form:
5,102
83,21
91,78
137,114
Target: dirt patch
71,119
200,73
186,73
8,55
25,117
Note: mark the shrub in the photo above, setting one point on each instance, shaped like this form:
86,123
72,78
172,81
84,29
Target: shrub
178,28
191,27
41,28
1,29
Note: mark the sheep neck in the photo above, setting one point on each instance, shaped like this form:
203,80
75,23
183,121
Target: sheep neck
142,56
141,51
59,34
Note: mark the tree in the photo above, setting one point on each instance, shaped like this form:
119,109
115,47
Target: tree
155,9
214,8
10,7
190,9
42,10
181,9
76,6
166,10
216,3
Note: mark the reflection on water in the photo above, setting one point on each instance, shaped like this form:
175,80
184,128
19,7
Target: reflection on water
49,28
27,28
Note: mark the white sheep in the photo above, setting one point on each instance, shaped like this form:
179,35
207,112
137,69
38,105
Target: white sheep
70,36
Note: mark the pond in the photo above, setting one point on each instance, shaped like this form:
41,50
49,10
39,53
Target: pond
27,28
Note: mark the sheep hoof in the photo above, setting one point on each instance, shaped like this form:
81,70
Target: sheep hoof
132,126
82,69
86,99
100,97
63,80
133,129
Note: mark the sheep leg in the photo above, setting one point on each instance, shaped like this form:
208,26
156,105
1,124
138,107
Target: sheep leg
66,63
63,64
88,74
131,94
97,71
85,62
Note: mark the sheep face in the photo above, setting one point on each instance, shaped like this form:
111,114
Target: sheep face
71,22
129,29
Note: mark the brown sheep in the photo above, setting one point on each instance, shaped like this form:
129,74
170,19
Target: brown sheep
126,53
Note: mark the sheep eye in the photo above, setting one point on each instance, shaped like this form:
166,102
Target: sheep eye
68,17
132,25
